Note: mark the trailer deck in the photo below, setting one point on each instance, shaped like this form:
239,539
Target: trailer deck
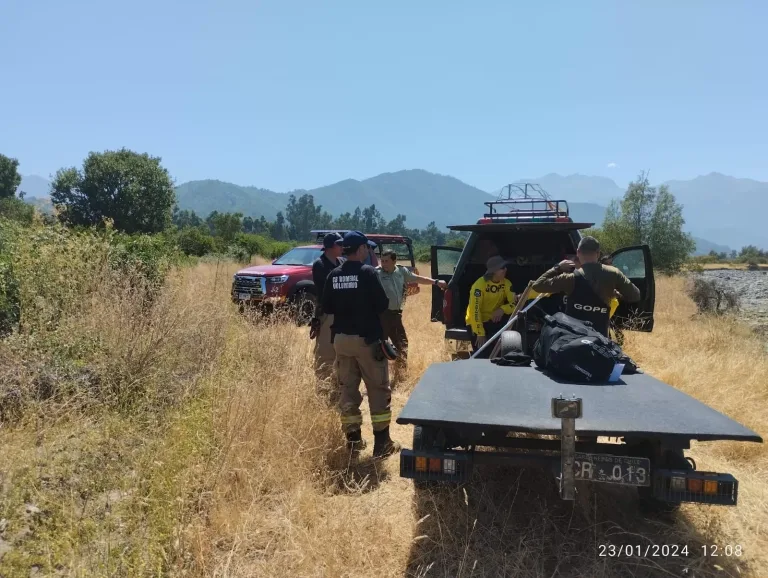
477,393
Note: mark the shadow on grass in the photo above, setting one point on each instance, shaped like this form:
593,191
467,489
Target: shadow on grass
512,522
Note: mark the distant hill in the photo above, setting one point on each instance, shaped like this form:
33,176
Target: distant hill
420,195
204,197
35,186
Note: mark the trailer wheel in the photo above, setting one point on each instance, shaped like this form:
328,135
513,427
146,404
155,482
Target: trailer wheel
510,342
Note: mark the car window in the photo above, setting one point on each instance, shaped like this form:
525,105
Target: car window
631,263
447,260
402,250
299,256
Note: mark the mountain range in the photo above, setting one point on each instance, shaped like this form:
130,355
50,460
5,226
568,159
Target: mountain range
721,212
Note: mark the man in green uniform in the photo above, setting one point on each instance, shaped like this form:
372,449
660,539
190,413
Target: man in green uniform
395,279
590,288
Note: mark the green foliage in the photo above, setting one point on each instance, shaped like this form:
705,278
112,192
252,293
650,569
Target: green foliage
10,305
647,216
10,179
195,241
248,245
225,225
15,209
131,189
184,219
278,248
146,257
302,216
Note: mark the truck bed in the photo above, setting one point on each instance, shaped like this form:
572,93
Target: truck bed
478,393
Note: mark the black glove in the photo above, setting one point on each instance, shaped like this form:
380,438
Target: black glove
383,349
314,328
513,359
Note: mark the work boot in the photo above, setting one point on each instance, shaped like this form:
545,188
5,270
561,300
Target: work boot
355,441
383,445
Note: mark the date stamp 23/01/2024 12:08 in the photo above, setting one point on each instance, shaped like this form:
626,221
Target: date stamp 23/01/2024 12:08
668,550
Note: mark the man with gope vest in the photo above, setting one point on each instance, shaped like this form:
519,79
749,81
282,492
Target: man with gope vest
590,288
353,294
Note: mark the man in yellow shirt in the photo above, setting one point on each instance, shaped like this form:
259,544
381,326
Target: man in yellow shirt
491,302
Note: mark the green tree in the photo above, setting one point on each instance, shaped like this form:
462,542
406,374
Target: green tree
647,216
132,189
250,245
226,225
396,226
10,179
185,218
302,215
373,222
278,229
195,241
670,246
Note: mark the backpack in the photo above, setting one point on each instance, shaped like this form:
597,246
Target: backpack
574,350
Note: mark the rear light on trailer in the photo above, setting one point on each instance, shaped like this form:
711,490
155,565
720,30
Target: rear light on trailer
677,484
437,466
693,486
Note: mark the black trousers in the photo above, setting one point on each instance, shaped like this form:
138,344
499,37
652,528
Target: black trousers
392,323
491,329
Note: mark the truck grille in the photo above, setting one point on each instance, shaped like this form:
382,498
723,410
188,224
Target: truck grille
250,285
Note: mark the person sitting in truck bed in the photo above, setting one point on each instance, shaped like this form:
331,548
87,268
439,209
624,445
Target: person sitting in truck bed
590,288
491,302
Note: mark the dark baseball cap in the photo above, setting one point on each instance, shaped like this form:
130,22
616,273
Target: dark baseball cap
589,245
331,239
495,263
353,240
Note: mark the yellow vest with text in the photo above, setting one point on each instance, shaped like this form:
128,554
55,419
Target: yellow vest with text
485,297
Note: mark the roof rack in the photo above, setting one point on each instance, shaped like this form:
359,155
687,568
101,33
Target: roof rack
526,203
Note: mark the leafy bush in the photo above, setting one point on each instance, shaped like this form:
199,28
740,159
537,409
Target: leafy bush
195,241
711,296
17,210
277,249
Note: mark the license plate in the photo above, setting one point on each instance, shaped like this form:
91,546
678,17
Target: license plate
244,296
613,469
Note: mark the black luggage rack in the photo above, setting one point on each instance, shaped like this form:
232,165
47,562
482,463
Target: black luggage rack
529,202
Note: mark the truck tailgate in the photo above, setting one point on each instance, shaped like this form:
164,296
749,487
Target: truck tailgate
478,393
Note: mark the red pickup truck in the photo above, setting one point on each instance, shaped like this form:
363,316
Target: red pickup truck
287,283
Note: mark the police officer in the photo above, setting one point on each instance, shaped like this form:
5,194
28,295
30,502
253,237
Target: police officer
324,354
353,294
395,279
589,288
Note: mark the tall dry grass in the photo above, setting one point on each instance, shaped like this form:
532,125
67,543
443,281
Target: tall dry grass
233,466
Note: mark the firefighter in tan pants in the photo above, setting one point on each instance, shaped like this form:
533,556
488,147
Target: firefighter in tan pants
324,354
353,294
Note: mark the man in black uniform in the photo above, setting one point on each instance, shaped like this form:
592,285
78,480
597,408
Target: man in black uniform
353,294
590,288
325,356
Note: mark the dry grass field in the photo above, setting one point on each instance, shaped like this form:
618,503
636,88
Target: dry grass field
242,472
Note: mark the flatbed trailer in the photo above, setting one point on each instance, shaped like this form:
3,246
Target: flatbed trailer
474,412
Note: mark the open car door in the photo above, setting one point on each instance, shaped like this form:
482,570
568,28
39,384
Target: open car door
443,261
635,263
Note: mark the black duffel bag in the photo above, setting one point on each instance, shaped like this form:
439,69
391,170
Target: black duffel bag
575,351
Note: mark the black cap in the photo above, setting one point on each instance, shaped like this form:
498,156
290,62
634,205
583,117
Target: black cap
353,240
331,239
589,245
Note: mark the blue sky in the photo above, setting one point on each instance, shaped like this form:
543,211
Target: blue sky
286,94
